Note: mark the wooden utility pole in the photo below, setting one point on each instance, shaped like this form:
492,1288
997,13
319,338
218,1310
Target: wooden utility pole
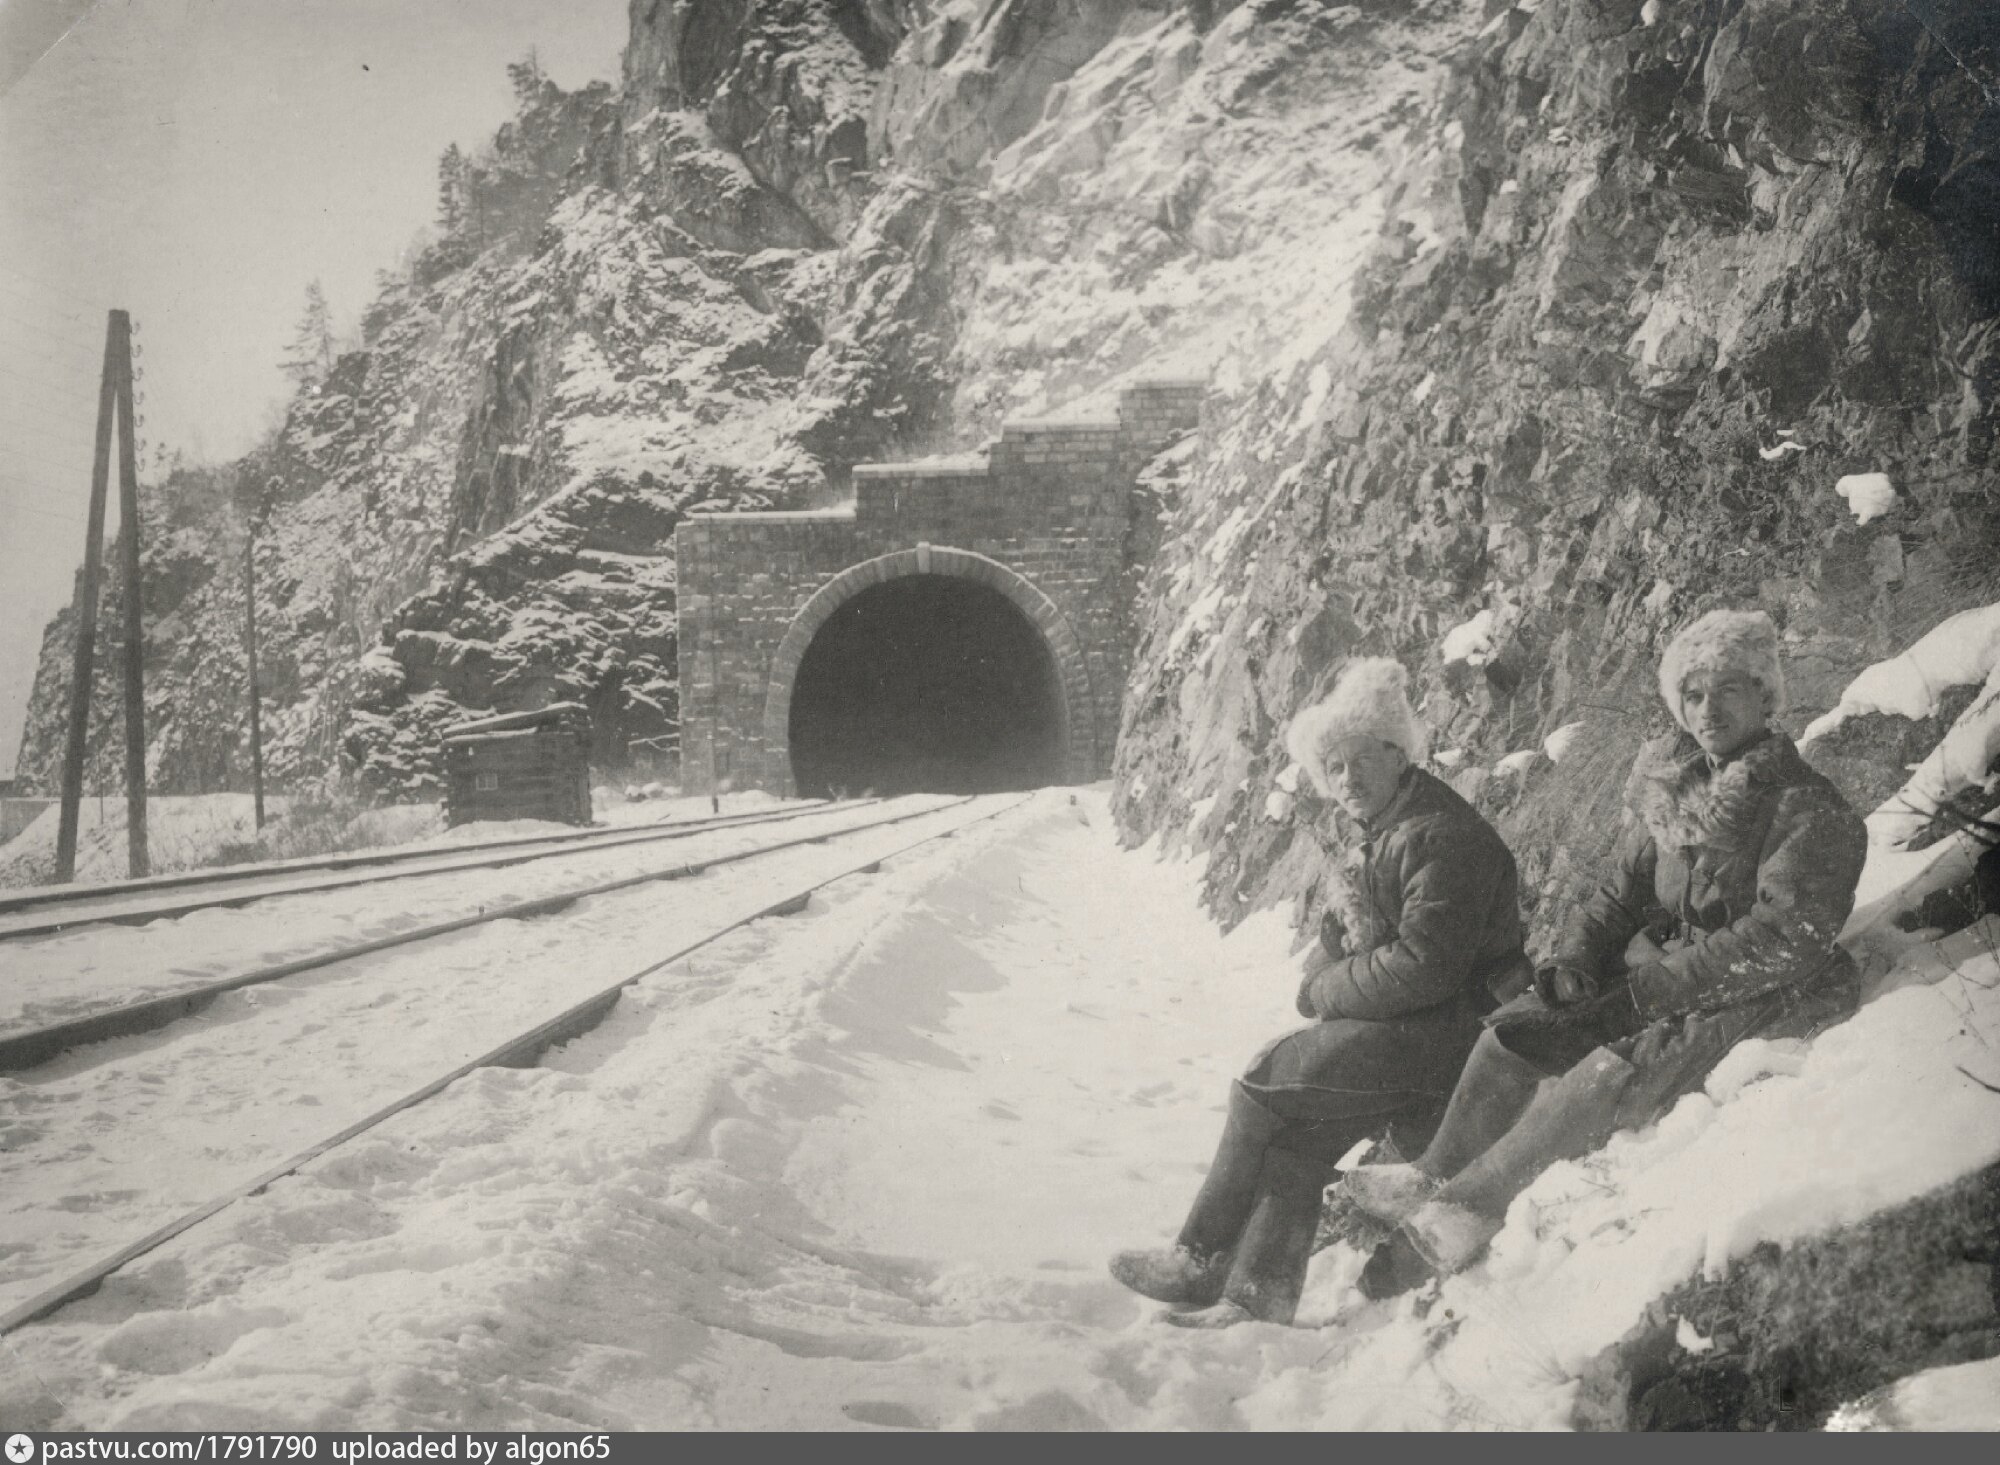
84,651
250,643
114,397
138,861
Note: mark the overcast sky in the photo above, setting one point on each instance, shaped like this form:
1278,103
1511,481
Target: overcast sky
198,162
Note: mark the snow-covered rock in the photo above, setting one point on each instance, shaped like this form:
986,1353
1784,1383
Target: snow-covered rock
1869,495
1470,641
1962,650
1558,744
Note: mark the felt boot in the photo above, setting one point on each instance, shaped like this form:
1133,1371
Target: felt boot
1450,1237
1224,1314
1173,1274
1190,1273
1569,1117
1495,1089
1270,1266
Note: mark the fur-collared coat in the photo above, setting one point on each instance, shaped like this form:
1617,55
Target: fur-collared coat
1746,874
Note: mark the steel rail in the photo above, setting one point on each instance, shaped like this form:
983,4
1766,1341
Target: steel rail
33,1047
56,894
449,860
517,1052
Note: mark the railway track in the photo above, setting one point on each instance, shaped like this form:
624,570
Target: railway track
47,911
861,849
31,1047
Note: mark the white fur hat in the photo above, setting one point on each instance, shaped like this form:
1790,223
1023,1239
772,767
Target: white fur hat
1743,641
1370,697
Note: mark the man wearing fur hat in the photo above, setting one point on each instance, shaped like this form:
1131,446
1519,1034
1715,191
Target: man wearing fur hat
1422,936
1719,924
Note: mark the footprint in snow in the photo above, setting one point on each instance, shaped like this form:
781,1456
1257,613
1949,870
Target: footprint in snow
158,1343
886,1414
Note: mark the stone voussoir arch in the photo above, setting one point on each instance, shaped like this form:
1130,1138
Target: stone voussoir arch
1078,737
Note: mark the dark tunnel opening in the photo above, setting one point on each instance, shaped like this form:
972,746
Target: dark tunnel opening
926,683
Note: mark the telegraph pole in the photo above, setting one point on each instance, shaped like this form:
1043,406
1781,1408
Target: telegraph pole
84,651
138,861
250,642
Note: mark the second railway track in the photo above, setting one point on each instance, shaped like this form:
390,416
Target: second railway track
163,1131
49,910
113,1009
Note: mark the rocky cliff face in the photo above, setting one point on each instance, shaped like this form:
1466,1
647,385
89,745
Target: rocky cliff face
1652,280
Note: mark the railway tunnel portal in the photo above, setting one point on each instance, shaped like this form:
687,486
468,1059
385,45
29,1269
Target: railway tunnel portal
961,626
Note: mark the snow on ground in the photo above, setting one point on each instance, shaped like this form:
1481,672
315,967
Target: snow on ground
1964,1396
115,1138
863,1167
195,831
859,1166
182,831
54,978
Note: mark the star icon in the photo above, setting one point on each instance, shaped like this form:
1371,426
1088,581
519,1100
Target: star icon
20,1449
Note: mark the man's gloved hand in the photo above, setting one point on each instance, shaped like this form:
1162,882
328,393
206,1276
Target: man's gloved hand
1313,964
1563,986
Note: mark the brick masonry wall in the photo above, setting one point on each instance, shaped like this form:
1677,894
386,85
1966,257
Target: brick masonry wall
1041,517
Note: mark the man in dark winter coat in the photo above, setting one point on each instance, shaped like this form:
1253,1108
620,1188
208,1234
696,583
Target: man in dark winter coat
1719,924
1422,935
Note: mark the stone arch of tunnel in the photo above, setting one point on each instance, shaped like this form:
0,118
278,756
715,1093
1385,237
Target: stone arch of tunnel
934,668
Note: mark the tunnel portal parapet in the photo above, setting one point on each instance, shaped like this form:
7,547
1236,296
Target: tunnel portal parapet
1041,516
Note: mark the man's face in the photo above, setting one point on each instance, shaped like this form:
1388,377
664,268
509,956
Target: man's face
1724,710
1362,773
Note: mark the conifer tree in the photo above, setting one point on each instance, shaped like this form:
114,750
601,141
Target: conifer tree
526,75
451,192
311,355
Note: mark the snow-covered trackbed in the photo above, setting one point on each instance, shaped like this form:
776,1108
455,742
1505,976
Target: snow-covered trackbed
45,910
87,985
111,1148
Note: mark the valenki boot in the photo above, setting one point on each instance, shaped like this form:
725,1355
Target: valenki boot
1569,1117
1269,1269
1450,1237
1494,1090
1190,1273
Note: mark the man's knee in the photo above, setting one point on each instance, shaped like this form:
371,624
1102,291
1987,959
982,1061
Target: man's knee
1258,1070
1491,1056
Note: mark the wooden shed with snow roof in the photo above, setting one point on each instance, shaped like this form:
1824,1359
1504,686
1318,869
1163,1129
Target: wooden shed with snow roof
521,765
